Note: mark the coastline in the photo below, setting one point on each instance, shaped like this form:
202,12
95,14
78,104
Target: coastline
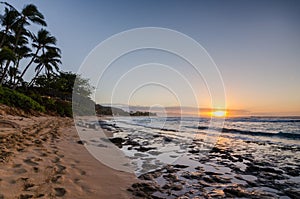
41,157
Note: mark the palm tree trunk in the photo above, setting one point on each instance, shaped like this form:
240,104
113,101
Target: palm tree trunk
4,37
4,72
36,75
15,77
26,68
19,33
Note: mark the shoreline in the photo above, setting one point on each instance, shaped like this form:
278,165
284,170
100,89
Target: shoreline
44,159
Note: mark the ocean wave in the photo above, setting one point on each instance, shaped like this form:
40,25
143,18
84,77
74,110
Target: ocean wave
271,120
255,133
148,126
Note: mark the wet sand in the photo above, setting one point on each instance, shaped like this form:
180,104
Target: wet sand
41,157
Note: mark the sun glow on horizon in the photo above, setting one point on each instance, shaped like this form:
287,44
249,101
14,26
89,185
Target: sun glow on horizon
219,113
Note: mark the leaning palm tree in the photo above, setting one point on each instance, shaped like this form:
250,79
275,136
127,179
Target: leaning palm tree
21,53
23,41
29,14
42,41
8,21
49,61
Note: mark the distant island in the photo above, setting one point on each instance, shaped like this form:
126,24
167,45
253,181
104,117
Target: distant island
107,110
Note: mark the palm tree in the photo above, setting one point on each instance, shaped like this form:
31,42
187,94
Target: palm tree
29,14
23,41
13,74
42,41
8,21
14,40
49,61
21,53
6,55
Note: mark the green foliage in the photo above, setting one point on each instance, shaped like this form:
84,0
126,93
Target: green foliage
107,110
16,99
64,108
83,105
18,45
64,83
82,86
7,54
54,105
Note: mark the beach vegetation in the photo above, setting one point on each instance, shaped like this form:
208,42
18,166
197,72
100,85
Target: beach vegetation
47,89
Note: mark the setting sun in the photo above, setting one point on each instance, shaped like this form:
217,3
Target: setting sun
219,113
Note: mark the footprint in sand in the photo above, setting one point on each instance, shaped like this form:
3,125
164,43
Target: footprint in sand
59,192
55,179
17,165
76,180
82,172
25,196
43,154
56,160
60,168
30,162
20,171
36,169
60,155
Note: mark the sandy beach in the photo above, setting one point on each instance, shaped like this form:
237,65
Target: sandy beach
41,158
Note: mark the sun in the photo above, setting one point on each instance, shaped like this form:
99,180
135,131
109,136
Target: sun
219,113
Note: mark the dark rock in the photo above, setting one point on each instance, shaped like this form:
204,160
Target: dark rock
166,186
176,187
192,175
208,179
117,141
202,127
150,175
144,189
170,169
236,192
211,173
131,142
180,166
144,149
252,168
193,151
239,158
171,177
219,179
216,150
81,142
167,139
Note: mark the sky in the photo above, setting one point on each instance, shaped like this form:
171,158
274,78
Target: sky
254,44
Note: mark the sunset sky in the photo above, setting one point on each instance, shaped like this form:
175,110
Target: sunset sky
255,45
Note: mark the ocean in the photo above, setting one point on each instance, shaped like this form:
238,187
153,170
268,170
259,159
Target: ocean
250,157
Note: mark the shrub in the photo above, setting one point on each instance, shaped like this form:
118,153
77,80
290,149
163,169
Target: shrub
64,108
16,99
54,105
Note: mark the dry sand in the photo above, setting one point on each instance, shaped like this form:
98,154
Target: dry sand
40,157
